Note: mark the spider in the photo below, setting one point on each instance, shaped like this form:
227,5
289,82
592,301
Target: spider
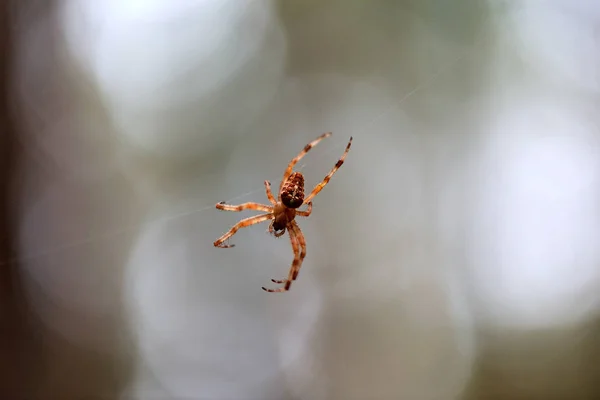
282,211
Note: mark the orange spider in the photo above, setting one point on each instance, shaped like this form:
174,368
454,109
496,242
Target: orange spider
283,211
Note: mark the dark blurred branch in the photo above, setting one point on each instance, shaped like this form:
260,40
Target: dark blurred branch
14,337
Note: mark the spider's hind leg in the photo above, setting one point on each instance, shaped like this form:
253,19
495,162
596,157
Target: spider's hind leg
299,247
306,149
327,178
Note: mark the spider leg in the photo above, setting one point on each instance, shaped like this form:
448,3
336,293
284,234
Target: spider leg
305,213
244,206
325,180
295,160
269,193
302,242
242,224
292,238
299,247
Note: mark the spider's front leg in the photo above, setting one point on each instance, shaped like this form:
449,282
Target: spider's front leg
242,224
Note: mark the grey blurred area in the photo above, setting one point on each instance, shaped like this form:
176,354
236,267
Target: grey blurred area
453,256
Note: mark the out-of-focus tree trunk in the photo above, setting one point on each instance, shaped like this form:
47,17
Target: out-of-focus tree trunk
16,345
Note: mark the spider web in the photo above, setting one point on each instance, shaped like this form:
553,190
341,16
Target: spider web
209,204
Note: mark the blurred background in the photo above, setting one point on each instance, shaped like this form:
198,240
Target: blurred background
454,255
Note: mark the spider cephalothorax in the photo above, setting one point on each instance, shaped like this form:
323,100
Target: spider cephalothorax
282,217
283,211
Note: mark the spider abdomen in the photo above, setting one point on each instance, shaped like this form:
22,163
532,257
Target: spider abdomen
292,191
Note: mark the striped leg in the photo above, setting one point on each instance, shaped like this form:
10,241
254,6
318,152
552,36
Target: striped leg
325,180
295,160
299,254
244,206
242,224
269,193
302,242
